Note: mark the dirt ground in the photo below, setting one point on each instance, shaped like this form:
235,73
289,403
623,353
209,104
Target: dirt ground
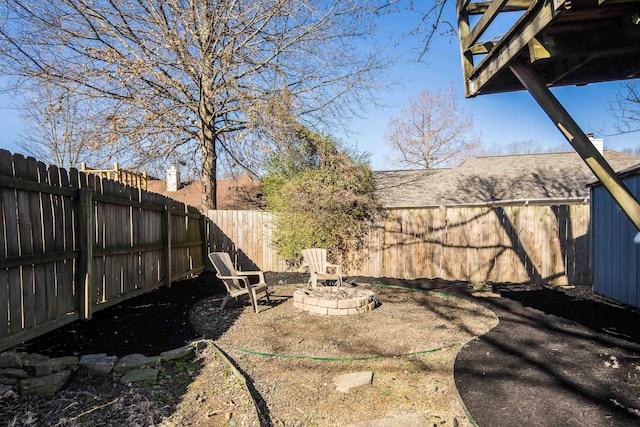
409,342
556,357
290,359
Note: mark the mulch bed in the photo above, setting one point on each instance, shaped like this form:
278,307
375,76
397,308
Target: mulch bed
557,357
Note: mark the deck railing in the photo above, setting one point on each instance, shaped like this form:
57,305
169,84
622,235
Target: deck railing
124,176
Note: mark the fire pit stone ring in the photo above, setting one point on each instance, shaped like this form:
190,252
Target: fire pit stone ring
334,301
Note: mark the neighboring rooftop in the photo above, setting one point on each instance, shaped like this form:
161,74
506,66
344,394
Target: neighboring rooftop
533,178
240,193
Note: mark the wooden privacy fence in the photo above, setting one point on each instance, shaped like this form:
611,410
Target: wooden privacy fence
520,244
72,244
246,236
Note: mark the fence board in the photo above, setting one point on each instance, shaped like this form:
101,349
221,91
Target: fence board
67,276
26,245
46,254
4,273
521,244
12,246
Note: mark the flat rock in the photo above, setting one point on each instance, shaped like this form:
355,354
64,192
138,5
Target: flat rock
11,359
14,373
136,361
31,360
98,364
138,375
347,382
45,386
57,364
178,353
9,381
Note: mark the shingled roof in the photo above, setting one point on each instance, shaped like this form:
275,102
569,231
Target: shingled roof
532,178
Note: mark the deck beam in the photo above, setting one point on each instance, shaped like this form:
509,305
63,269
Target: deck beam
577,138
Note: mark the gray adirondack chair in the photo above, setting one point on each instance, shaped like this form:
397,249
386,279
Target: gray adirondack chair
319,268
237,282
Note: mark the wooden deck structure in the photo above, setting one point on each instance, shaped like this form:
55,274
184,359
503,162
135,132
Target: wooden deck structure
554,43
124,176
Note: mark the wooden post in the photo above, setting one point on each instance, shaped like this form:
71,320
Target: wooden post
116,173
167,254
204,235
85,247
577,138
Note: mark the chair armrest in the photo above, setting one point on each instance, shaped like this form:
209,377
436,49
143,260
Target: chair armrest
336,266
243,278
260,274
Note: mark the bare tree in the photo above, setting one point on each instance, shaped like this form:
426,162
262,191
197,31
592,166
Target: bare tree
62,128
626,107
426,20
186,75
432,131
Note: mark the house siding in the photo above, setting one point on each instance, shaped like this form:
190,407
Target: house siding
616,257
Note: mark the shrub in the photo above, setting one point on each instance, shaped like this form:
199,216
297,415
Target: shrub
322,197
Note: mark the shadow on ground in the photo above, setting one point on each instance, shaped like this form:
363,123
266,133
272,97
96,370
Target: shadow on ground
148,324
556,358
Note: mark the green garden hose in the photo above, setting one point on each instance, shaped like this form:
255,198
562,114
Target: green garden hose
342,359
349,359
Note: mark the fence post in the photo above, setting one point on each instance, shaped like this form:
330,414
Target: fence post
167,254
204,235
85,247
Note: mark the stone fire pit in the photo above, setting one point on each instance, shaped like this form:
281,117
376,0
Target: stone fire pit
335,301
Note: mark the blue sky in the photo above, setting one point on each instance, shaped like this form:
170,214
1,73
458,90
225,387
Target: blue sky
501,119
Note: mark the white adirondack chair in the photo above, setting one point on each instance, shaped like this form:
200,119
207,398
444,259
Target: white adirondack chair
319,268
237,282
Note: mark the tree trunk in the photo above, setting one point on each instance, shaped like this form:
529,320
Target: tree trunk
208,165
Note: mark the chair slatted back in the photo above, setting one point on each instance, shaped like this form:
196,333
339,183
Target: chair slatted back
316,259
224,267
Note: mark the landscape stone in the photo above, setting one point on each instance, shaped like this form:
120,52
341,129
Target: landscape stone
138,375
98,364
67,363
8,380
42,369
347,382
31,360
178,353
11,359
52,374
15,373
136,361
45,386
